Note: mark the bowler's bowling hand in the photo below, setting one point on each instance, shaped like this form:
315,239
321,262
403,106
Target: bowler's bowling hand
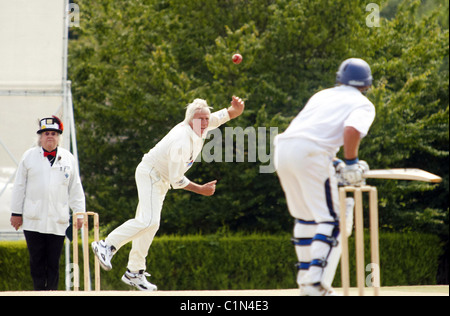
236,108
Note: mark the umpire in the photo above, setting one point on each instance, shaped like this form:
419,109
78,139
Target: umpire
47,184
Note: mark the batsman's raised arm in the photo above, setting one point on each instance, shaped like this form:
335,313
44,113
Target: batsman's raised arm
236,108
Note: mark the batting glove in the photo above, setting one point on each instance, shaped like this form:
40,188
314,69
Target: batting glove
353,172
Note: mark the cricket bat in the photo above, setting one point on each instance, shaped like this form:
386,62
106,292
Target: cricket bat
402,174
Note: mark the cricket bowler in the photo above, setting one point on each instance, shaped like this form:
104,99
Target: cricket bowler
164,166
334,117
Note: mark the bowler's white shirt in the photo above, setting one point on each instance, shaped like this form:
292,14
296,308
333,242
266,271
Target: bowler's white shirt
177,151
327,113
43,193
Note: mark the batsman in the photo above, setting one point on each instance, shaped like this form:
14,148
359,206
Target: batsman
163,167
332,118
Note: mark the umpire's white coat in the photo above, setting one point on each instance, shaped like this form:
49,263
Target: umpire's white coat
43,193
163,166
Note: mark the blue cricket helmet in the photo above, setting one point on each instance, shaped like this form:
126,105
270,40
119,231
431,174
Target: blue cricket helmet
354,72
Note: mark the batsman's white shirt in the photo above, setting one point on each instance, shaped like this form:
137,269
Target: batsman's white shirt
327,113
163,166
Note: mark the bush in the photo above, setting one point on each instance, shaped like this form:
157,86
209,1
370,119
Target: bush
14,267
256,261
405,259
214,263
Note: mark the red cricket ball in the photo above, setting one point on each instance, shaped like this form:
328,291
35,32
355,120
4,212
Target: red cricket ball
237,58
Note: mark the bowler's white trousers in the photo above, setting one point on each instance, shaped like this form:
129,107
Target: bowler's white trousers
307,177
142,229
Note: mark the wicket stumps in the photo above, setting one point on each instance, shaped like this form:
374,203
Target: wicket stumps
359,239
85,242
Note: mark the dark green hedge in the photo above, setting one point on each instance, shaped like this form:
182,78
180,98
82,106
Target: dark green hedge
237,262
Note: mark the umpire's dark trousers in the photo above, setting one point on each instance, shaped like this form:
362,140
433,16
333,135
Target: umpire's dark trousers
45,252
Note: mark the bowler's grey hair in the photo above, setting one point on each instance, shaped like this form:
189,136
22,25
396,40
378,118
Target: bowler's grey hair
196,105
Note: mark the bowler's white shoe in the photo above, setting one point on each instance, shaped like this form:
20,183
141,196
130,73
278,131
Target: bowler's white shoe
316,290
104,253
138,280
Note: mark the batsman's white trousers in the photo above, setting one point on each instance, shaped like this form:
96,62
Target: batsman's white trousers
307,177
142,229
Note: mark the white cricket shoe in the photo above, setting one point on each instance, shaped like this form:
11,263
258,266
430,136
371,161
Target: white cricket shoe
104,253
138,280
316,290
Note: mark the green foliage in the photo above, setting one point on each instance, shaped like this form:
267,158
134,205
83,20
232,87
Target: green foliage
411,127
235,261
136,64
14,267
399,262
